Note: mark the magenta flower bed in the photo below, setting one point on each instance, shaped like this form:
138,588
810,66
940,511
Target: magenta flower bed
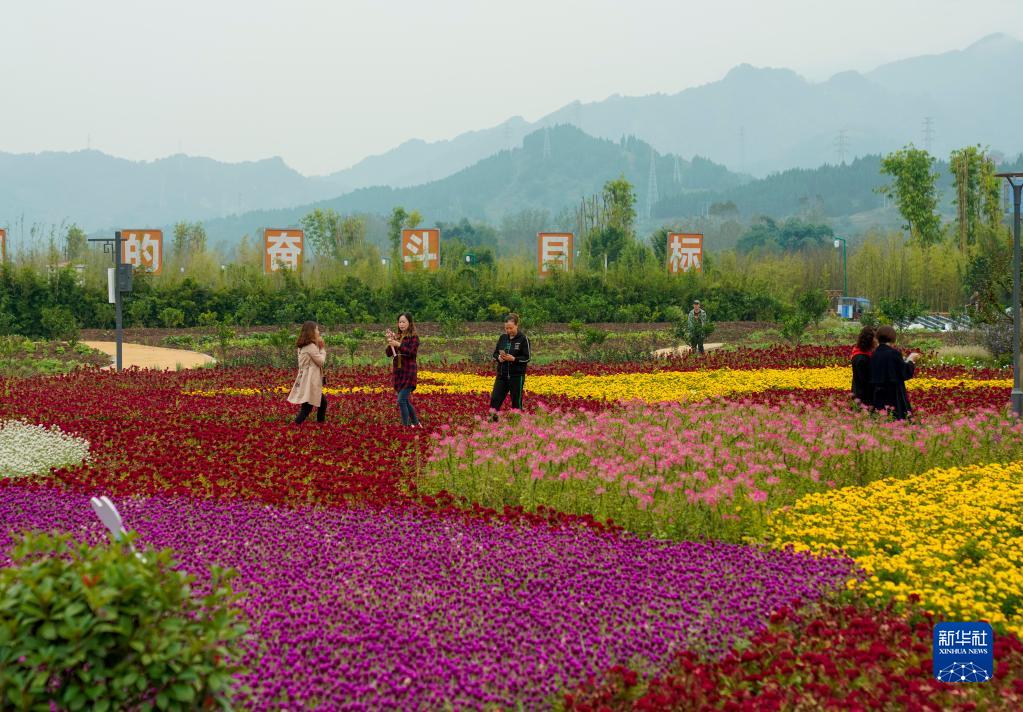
370,609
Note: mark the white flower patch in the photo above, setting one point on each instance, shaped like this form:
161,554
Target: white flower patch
30,449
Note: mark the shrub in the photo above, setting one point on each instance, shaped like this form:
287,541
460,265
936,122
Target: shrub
793,327
172,318
814,304
97,628
60,324
898,311
996,337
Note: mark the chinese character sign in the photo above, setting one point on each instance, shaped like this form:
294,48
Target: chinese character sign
554,251
143,249
282,248
685,252
420,249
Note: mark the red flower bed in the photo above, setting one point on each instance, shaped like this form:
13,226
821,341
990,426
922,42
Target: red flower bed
148,437
930,401
840,657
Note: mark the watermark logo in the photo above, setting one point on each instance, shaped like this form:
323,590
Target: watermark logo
964,652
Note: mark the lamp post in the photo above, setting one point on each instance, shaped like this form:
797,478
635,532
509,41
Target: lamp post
1016,181
845,267
122,283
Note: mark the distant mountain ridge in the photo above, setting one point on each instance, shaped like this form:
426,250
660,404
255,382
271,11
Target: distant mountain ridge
525,178
754,121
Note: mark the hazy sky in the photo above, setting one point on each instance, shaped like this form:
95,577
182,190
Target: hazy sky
323,84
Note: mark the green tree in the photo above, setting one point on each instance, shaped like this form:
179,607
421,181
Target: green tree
332,234
76,243
977,193
914,190
620,204
400,220
616,224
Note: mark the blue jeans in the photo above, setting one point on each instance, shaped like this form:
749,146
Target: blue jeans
408,413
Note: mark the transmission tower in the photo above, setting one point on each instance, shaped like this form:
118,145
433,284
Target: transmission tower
742,148
928,133
841,146
676,176
546,142
651,185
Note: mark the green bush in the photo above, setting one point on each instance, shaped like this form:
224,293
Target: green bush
99,628
60,324
793,327
172,318
814,304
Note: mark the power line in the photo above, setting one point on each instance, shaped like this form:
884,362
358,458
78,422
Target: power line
546,142
676,176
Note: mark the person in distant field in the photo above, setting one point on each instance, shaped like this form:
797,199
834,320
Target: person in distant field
697,314
862,388
403,347
308,389
512,357
889,373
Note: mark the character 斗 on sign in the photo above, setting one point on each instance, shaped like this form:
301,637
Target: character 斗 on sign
420,249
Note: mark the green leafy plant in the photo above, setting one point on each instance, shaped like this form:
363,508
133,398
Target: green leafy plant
59,323
100,628
172,318
794,326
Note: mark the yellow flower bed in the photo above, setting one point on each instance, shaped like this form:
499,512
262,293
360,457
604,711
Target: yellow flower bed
651,387
953,536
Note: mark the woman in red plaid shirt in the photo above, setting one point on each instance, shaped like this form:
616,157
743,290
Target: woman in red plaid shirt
402,348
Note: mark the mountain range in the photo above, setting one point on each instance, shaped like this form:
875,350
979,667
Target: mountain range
754,121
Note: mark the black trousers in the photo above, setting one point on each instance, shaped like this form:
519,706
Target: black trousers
505,385
306,408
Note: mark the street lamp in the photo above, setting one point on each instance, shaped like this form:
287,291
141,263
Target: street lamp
845,267
1016,181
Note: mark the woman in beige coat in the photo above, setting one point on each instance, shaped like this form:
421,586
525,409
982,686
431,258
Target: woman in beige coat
308,388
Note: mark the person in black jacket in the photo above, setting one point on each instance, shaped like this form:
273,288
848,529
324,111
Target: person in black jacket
862,388
512,357
889,373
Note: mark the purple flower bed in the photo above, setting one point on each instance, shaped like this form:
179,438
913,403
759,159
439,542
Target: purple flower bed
355,609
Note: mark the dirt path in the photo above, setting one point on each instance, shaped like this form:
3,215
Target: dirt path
153,357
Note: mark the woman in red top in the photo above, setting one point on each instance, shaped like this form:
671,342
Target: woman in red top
402,347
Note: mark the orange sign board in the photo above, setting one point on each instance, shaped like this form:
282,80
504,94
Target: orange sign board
143,249
685,252
282,248
554,251
420,249
3,244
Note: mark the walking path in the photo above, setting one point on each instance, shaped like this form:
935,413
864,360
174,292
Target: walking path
154,357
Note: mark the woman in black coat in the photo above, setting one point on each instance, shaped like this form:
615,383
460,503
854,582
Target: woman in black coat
889,373
862,388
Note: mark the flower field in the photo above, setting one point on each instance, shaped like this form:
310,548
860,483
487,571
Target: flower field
679,536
